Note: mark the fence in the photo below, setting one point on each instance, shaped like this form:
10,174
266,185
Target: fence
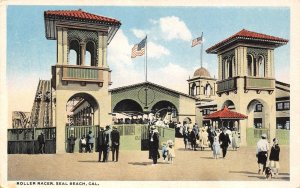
135,136
78,132
24,141
253,135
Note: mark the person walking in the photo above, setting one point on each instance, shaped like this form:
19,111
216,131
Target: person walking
106,143
115,143
72,140
185,138
211,135
193,136
235,140
216,148
262,148
224,141
82,145
101,145
90,141
274,157
42,142
154,144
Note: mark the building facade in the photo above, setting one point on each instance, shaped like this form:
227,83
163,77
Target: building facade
246,80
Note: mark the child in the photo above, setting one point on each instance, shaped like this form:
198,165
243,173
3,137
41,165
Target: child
164,151
171,151
274,157
216,148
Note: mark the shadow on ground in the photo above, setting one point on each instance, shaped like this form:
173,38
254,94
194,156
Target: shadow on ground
145,163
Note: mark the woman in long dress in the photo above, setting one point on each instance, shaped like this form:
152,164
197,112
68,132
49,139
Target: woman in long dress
216,147
235,140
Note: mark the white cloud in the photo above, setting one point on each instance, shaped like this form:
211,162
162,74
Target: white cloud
119,50
174,28
172,76
119,60
139,33
156,50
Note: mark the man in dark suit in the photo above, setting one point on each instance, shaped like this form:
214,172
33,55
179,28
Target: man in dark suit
41,141
115,143
101,144
106,143
72,140
154,144
224,141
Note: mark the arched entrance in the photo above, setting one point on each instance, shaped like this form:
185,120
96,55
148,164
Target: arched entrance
165,111
128,111
82,110
257,111
82,117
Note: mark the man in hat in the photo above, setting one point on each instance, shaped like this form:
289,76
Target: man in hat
262,148
153,144
115,143
41,141
101,145
106,143
225,141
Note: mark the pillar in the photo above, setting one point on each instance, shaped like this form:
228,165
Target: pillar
82,52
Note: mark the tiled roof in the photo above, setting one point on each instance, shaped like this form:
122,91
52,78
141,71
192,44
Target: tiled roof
225,113
80,15
245,34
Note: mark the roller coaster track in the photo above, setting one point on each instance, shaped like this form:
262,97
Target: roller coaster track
41,109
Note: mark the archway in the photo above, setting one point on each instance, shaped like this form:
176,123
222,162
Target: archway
166,111
128,111
230,105
74,52
257,111
82,110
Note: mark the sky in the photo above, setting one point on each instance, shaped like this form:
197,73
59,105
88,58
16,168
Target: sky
170,30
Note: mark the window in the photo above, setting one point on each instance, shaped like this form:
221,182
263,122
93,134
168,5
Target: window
279,106
258,108
261,66
249,65
258,123
205,111
286,105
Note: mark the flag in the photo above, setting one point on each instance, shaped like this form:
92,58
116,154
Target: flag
197,41
139,49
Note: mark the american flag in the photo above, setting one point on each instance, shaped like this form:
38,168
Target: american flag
196,41
139,49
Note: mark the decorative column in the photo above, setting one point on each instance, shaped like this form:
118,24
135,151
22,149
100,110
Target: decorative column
82,52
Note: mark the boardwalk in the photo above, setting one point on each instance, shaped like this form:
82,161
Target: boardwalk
134,165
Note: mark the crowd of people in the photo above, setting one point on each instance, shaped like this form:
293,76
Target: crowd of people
208,137
218,140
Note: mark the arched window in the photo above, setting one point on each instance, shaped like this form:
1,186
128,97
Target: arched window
208,90
261,66
225,69
230,70
234,72
250,62
90,59
193,90
74,49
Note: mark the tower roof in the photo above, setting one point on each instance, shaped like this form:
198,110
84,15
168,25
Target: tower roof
245,35
80,15
202,72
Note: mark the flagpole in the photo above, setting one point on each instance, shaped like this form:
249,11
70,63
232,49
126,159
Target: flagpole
146,58
201,49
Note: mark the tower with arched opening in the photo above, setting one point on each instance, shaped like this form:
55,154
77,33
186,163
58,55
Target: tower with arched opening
246,77
81,74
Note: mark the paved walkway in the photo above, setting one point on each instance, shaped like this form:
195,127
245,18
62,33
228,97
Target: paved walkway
135,165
